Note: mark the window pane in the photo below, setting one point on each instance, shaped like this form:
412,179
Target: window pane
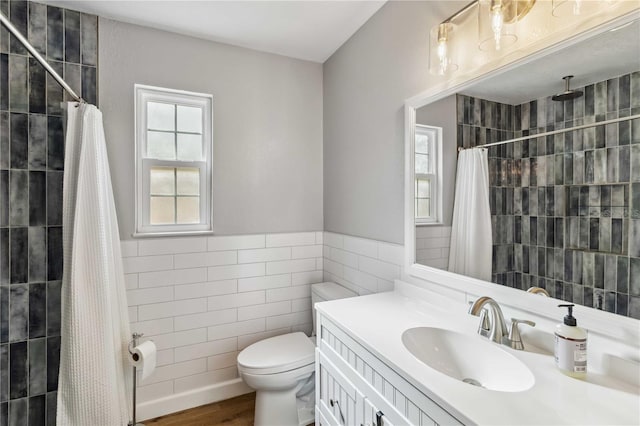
189,147
162,210
163,181
188,210
188,181
423,207
423,189
189,119
161,145
160,116
422,144
422,163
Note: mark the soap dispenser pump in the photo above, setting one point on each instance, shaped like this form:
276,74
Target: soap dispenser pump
571,346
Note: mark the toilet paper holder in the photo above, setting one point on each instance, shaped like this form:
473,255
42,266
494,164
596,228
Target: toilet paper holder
132,344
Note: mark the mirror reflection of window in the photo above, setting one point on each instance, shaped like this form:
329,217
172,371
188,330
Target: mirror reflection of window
427,145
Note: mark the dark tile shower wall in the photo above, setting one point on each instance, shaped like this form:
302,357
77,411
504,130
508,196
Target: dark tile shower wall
479,122
31,172
573,199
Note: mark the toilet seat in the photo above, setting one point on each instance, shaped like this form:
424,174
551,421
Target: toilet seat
277,354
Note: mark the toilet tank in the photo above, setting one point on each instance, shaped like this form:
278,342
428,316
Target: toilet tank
327,291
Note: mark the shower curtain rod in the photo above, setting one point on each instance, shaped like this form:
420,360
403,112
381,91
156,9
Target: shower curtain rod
554,132
38,57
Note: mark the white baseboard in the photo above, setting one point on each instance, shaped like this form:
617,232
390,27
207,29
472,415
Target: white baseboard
194,398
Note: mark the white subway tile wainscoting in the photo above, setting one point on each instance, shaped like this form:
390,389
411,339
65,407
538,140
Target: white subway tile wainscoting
362,265
432,246
204,299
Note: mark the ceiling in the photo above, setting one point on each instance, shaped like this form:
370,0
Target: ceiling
304,29
606,55
313,30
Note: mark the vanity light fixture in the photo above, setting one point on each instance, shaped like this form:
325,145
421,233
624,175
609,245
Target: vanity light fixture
442,37
497,21
442,44
443,59
496,11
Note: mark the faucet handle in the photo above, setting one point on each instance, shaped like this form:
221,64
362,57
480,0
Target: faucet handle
539,291
519,321
515,339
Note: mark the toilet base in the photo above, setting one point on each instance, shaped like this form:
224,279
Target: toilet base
276,408
284,400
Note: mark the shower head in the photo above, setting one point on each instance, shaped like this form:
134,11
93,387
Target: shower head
568,93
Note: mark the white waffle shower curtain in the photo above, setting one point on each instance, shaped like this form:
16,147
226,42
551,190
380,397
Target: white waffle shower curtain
471,252
94,374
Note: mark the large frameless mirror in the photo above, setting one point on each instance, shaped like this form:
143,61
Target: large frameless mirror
554,208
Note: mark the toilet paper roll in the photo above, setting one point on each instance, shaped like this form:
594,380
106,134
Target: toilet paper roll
143,357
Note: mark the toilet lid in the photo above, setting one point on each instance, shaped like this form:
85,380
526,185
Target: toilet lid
277,354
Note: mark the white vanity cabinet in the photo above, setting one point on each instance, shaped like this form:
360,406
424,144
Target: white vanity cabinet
353,387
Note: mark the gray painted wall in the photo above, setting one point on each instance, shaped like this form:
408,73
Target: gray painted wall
365,85
442,113
267,125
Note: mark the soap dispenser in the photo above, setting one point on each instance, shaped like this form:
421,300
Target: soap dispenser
571,346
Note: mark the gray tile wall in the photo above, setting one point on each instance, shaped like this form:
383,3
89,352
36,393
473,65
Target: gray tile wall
479,122
31,171
566,207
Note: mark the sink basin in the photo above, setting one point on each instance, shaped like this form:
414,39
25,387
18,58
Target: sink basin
469,359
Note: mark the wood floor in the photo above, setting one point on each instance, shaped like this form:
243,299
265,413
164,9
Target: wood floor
236,411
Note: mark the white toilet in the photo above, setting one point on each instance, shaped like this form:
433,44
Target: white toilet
281,369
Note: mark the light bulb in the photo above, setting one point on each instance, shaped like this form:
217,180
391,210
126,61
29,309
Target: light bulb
443,59
577,5
442,55
497,20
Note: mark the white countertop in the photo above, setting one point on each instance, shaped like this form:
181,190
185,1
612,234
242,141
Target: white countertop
378,321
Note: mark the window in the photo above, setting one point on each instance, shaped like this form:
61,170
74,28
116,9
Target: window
173,161
428,147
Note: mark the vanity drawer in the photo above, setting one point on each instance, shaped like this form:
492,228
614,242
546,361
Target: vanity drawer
338,399
412,405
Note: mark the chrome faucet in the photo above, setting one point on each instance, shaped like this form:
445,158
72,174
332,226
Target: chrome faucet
493,326
492,323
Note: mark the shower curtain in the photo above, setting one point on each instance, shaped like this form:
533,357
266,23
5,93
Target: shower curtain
95,322
471,242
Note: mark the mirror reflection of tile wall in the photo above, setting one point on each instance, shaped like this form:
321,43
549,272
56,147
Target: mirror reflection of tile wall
565,208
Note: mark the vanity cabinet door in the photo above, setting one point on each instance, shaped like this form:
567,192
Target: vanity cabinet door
338,399
321,418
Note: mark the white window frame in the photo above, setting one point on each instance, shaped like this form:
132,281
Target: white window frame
435,178
143,95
